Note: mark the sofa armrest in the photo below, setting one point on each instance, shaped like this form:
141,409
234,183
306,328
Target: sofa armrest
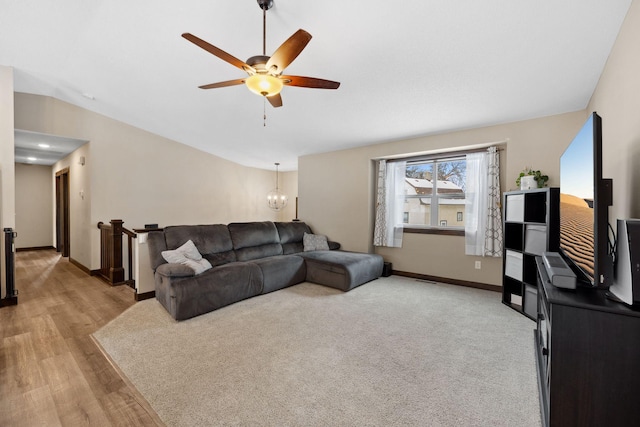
175,270
333,246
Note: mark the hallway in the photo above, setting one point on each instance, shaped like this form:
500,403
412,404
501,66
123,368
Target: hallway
51,371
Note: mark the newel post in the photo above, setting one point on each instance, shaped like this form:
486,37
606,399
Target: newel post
116,273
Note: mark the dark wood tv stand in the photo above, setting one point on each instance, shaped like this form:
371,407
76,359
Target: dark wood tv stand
588,357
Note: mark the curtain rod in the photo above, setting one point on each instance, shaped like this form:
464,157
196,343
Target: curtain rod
444,152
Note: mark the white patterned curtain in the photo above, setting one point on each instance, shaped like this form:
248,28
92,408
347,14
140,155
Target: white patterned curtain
380,226
483,220
389,204
493,232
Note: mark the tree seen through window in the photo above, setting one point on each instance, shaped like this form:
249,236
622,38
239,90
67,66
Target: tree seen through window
439,201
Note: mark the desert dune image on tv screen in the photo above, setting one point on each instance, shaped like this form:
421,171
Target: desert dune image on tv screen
576,231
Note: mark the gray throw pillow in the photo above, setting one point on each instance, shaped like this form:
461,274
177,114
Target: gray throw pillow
314,242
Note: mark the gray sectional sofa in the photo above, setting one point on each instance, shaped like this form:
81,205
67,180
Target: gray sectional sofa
248,259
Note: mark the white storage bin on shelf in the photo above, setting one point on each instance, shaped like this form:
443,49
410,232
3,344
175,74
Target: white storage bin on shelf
513,265
530,301
535,239
515,208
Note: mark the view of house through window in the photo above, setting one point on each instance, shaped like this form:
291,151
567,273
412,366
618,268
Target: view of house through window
435,193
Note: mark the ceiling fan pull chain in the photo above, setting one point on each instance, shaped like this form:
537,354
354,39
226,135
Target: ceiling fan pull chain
264,111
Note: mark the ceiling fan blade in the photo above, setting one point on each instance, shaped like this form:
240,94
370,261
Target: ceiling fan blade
218,52
288,51
222,84
309,82
275,100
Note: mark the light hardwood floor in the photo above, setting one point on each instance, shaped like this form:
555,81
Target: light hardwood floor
51,371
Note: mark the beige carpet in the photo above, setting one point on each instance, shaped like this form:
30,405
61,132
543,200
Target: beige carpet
393,352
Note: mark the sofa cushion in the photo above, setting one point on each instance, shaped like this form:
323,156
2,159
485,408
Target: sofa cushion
220,258
253,240
291,235
212,241
281,271
315,242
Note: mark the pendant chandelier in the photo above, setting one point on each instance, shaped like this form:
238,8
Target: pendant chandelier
276,199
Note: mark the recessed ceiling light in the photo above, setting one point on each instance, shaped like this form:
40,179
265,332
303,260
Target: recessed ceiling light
44,145
31,159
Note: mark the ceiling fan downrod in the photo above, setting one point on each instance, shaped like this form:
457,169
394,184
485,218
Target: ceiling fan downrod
264,5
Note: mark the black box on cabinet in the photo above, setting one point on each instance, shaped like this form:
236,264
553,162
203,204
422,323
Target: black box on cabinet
386,269
626,282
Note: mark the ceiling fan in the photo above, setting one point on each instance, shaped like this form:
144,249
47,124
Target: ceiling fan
265,72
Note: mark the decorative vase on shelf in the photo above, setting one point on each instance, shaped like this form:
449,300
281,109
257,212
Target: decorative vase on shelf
528,182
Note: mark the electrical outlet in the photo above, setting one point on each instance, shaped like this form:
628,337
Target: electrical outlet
478,265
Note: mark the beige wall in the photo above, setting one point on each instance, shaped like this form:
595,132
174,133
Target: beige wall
289,186
536,143
81,225
336,191
142,178
617,101
34,206
7,166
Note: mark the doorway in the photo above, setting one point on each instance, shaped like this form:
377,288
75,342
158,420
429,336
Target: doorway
62,212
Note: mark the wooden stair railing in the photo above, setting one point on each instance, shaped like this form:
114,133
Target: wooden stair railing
11,296
111,267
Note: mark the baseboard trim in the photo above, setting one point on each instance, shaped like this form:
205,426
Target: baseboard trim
80,266
35,248
457,282
145,295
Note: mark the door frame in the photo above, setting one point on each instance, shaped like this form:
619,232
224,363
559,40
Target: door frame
63,236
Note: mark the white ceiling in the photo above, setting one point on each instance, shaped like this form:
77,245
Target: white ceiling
407,68
43,149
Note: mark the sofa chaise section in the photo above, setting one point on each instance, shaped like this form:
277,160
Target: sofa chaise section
341,269
337,269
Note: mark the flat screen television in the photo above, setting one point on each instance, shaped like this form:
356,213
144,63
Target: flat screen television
585,198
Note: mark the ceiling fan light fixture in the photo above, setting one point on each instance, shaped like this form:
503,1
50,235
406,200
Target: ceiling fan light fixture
264,84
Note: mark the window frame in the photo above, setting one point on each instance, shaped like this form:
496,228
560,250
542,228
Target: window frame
429,229
435,196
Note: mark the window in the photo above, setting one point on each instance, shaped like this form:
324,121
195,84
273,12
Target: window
435,193
455,193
